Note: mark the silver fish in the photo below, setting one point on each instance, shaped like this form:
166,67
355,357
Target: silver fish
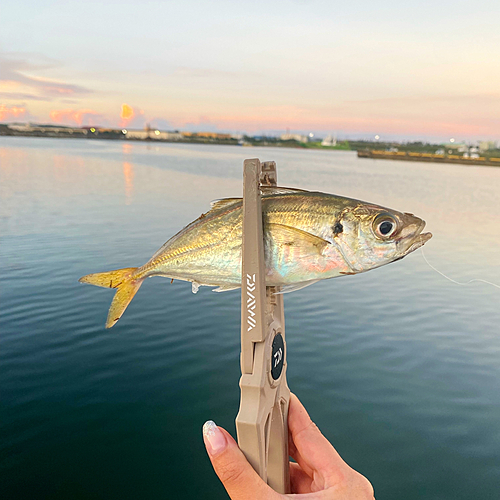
308,236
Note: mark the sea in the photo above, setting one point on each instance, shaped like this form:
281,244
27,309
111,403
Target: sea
399,367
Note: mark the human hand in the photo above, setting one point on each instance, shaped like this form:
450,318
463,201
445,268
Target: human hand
319,471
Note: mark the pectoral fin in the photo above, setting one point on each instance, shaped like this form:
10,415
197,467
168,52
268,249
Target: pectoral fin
293,237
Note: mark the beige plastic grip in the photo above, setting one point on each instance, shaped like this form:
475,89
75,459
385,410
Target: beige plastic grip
262,421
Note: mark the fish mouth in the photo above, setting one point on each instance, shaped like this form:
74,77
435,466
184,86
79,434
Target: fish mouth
418,239
421,240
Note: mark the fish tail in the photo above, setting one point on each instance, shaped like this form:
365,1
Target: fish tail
126,287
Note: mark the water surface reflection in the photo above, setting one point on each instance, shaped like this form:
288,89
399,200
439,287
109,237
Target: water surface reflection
399,367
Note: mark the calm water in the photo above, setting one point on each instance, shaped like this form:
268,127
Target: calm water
399,367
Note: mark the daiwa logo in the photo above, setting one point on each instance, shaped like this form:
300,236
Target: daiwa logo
252,323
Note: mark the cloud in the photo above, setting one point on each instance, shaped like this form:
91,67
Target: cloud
126,114
162,124
17,79
131,117
76,116
202,124
20,96
10,113
256,119
470,115
490,98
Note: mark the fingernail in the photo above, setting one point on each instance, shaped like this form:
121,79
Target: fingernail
215,441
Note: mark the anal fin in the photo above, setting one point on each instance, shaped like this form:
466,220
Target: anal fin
295,286
226,288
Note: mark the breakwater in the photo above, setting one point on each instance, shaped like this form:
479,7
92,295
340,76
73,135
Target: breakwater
411,156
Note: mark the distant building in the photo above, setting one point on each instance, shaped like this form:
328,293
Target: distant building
457,147
329,141
473,152
167,136
137,134
154,135
48,130
294,137
206,135
487,145
21,127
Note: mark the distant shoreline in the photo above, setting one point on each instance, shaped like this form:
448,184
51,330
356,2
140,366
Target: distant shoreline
154,136
487,154
278,144
428,157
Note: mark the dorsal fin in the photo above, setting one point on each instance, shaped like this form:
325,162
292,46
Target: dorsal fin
266,191
223,203
274,190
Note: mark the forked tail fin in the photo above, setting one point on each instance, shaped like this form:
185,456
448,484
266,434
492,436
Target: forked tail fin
126,287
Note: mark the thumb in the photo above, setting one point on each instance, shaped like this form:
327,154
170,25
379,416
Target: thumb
236,474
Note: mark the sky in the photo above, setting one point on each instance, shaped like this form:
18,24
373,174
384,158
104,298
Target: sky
421,70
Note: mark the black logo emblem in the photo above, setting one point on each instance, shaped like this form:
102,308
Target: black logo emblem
278,356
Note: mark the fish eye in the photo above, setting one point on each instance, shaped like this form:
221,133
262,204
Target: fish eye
385,226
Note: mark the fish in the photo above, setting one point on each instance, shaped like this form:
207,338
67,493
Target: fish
308,236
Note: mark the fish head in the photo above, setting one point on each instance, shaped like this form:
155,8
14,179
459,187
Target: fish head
373,236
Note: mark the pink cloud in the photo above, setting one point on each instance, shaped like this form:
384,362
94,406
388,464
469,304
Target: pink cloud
470,116
9,113
76,116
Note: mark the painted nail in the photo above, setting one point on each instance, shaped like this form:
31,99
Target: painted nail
214,439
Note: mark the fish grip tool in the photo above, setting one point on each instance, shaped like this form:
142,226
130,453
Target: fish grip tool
262,420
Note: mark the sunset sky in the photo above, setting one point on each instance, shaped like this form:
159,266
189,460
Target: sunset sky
417,69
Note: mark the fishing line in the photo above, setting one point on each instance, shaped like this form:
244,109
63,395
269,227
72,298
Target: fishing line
452,280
